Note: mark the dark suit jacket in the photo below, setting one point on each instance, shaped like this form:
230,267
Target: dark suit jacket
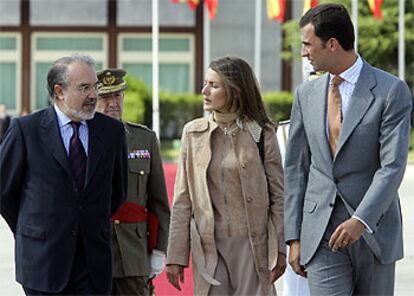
46,212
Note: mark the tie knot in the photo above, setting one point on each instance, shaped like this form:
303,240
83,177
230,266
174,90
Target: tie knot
337,80
75,125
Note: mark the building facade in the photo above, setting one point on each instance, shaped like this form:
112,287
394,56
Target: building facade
117,33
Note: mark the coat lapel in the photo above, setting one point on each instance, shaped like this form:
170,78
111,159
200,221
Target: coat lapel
361,99
318,111
52,139
95,148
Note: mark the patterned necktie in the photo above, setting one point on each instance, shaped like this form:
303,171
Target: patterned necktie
334,113
77,156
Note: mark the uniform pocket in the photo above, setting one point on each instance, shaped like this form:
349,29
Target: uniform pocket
142,230
139,166
139,171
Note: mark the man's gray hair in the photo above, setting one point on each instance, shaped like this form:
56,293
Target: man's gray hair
58,73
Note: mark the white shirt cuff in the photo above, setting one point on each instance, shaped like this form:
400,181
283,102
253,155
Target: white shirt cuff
367,228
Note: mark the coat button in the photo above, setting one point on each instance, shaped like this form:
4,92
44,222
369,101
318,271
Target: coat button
331,204
141,172
243,165
117,222
249,199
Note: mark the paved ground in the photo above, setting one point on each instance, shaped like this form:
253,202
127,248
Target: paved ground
404,273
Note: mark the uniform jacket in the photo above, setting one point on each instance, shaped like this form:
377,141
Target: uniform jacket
45,210
146,187
192,220
366,171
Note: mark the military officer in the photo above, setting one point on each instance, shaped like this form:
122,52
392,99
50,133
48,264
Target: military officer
140,226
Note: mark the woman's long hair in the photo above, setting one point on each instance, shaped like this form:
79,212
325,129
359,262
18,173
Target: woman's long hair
242,88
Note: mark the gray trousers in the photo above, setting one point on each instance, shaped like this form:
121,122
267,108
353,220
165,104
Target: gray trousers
353,270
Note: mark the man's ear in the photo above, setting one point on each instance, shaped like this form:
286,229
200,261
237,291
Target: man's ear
333,44
58,89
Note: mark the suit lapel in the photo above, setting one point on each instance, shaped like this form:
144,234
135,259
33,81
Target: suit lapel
361,99
52,139
318,111
95,148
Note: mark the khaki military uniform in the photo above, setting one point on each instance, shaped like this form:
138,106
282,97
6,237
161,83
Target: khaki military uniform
146,187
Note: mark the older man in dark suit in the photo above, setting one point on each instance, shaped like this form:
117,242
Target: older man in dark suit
63,174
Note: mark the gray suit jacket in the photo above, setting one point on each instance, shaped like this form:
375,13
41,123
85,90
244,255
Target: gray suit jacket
366,171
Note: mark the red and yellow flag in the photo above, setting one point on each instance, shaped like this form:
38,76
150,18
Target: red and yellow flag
212,8
276,10
210,4
375,6
193,4
308,4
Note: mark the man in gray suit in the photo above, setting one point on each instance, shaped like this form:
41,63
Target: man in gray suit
345,160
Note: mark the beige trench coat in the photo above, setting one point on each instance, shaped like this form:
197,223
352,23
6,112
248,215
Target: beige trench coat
192,220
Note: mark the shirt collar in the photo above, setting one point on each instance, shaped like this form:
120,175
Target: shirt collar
63,119
351,74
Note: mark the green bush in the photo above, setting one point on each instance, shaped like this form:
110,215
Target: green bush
278,105
135,95
176,110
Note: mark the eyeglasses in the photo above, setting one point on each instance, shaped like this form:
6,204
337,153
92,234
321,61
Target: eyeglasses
87,89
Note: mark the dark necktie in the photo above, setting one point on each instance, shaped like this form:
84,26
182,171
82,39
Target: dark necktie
334,113
77,156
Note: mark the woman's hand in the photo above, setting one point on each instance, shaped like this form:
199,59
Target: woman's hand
175,275
280,267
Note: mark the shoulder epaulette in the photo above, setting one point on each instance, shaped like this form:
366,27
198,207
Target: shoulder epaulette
133,124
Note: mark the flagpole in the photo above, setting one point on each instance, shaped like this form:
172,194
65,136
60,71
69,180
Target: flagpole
155,70
355,21
206,44
401,41
258,38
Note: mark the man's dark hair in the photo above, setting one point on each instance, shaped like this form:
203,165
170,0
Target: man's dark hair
331,21
58,73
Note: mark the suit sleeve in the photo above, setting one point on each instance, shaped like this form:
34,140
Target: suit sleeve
157,195
12,169
274,175
394,142
297,164
120,175
179,237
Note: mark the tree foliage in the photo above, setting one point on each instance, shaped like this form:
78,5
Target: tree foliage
377,40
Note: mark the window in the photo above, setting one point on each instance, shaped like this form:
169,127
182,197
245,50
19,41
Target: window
10,65
176,58
48,47
68,13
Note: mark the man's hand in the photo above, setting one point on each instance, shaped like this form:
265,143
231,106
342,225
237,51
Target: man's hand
346,234
175,275
279,268
294,258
